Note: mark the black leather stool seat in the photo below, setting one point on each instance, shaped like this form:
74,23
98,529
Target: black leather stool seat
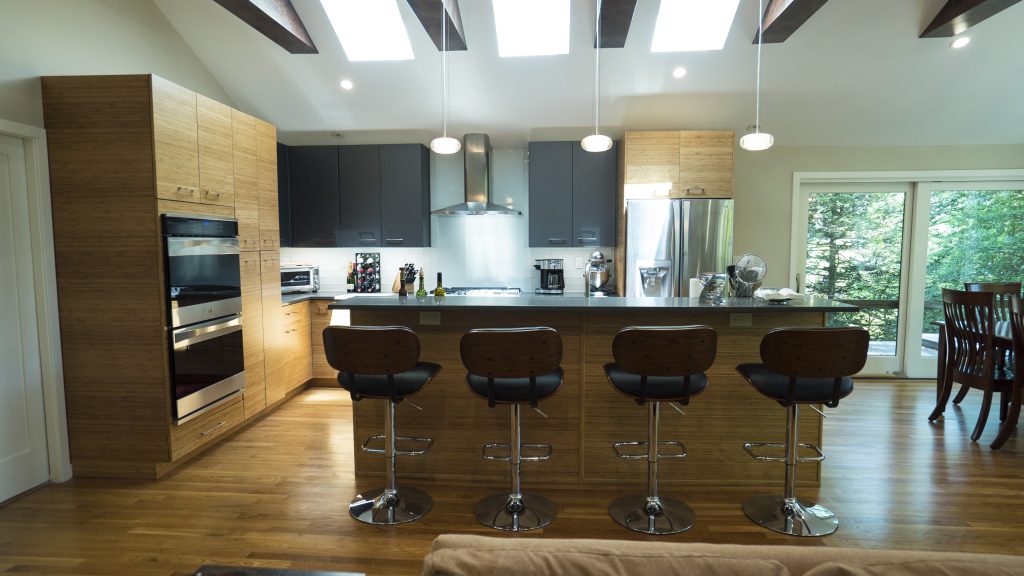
376,385
660,388
808,390
515,390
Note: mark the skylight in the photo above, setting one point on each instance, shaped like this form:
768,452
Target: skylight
531,27
369,30
693,25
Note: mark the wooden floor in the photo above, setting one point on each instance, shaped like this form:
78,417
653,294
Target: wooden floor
276,495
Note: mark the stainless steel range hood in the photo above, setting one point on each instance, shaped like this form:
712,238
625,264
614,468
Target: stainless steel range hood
477,151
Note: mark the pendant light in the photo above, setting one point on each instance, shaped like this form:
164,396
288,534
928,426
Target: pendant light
444,144
597,142
754,139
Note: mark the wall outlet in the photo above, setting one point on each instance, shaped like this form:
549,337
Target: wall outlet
432,318
579,262
741,319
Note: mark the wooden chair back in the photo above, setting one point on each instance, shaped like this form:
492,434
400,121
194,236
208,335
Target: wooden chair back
665,350
815,352
1001,294
1017,332
970,327
511,352
371,350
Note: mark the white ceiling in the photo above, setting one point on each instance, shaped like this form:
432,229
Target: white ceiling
855,74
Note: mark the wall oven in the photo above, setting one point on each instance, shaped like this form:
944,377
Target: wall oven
204,291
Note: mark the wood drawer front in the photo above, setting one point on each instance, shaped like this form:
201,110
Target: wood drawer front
216,164
320,318
205,429
175,141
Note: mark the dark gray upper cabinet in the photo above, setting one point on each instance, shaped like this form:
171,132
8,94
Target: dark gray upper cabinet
313,196
550,190
283,200
594,179
572,195
360,196
405,194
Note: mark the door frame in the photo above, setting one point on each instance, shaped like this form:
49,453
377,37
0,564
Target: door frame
798,227
45,285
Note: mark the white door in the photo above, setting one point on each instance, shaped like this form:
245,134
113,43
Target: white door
23,456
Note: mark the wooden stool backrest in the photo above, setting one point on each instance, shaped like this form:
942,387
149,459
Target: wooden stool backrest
815,352
665,350
511,352
371,350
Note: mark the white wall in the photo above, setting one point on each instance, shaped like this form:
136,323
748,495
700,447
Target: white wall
764,185
72,37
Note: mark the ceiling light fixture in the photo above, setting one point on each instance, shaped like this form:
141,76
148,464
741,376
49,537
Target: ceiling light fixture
754,139
693,25
961,42
369,31
346,84
444,144
679,72
597,142
531,27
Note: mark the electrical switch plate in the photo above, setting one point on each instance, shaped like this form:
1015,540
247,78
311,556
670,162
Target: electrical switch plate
579,262
740,319
430,318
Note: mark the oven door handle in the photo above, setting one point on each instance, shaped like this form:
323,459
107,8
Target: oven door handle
200,246
184,337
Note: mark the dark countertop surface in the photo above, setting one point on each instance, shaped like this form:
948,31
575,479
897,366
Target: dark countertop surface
573,302
297,297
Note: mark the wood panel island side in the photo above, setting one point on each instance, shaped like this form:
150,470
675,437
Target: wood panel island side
586,415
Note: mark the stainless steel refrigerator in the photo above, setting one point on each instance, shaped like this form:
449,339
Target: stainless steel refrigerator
670,241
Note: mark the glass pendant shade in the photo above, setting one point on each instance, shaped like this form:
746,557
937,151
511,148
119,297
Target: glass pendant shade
596,143
755,141
445,145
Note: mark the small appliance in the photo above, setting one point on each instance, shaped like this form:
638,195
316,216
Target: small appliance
598,276
300,278
551,276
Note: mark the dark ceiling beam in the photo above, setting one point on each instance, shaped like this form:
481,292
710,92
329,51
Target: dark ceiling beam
275,19
783,17
429,14
959,15
616,17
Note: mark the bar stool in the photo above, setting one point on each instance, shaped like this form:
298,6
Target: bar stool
801,366
382,362
514,366
655,365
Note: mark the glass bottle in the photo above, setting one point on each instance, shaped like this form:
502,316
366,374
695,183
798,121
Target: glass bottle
421,292
401,283
350,280
439,291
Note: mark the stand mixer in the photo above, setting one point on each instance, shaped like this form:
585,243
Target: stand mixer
597,276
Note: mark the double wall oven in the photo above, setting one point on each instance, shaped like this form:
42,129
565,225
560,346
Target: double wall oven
205,312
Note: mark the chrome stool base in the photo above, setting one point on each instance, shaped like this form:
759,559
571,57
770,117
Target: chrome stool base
795,517
669,517
382,508
504,512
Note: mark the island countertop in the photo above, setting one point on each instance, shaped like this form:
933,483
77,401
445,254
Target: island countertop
571,302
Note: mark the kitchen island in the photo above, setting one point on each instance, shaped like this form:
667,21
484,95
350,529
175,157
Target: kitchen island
586,415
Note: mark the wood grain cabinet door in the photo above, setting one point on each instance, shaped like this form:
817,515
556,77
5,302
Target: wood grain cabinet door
175,141
247,200
255,396
651,158
216,164
266,182
320,318
705,164
273,325
298,367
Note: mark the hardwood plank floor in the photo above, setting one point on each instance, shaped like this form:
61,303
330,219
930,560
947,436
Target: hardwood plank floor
276,495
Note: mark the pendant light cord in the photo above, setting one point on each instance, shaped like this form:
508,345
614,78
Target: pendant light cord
444,71
757,83
597,67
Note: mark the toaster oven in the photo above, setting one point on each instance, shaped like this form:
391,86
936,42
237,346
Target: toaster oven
300,279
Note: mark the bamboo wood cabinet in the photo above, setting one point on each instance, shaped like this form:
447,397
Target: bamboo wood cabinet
123,150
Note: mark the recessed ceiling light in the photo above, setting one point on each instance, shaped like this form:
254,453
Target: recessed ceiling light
369,30
692,25
679,72
531,27
961,42
346,84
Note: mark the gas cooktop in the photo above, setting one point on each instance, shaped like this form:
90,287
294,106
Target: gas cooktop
480,291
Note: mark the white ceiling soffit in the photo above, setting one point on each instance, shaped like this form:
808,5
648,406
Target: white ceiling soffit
855,74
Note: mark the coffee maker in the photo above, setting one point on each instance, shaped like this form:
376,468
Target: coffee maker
550,277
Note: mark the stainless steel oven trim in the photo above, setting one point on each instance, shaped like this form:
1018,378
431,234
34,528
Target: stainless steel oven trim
182,315
178,246
184,337
202,401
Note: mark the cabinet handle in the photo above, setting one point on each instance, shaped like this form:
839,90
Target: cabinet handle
212,193
589,239
698,190
556,241
210,431
394,240
186,189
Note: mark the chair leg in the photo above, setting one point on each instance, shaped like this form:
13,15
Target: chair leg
651,513
515,511
787,514
986,405
964,389
1010,422
946,388
387,506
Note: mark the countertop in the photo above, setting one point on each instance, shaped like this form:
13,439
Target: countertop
297,297
570,302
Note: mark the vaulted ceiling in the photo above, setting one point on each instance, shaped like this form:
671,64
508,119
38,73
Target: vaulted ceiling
856,73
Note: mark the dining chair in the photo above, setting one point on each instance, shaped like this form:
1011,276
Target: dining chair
970,334
1013,413
1001,294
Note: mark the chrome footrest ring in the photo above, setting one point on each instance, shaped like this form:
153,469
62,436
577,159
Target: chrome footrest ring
751,449
619,452
426,443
